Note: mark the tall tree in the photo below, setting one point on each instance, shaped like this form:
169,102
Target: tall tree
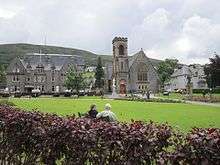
166,69
74,80
212,71
99,74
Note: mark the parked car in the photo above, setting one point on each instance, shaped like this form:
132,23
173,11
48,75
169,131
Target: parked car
166,93
67,93
35,93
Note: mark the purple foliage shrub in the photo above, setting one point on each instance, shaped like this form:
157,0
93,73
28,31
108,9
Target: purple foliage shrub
38,138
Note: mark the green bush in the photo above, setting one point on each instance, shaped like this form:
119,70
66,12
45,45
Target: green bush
215,90
200,90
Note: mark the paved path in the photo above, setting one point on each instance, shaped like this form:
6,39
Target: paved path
204,103
197,102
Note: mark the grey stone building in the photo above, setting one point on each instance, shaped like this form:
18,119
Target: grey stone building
131,73
45,72
178,80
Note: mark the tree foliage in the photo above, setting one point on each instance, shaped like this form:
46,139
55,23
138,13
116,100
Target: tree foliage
212,71
166,69
99,74
74,80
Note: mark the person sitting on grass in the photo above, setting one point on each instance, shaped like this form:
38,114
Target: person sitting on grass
92,112
107,114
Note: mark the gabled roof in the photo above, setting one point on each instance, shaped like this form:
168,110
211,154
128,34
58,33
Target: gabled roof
48,61
184,70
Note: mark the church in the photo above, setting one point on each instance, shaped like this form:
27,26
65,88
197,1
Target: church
133,73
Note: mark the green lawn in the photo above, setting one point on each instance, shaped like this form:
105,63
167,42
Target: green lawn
184,116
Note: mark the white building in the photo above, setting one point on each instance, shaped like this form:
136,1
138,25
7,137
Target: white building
179,79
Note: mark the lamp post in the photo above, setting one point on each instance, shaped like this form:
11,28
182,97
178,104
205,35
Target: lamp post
210,86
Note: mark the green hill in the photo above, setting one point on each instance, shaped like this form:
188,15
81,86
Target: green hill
10,51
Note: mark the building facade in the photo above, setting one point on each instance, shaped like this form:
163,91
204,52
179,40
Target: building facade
46,72
131,73
179,79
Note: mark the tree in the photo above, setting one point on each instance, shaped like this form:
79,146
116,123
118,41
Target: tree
212,71
166,69
99,74
74,80
2,74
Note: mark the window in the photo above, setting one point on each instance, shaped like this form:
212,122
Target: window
15,78
28,79
16,70
142,72
53,89
121,50
42,78
52,76
122,65
42,88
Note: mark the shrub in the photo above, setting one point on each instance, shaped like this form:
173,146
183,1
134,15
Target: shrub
200,90
56,94
201,146
37,138
215,90
67,94
18,94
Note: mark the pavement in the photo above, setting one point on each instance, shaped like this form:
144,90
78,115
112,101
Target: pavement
203,103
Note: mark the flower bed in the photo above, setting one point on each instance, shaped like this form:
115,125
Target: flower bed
38,138
161,100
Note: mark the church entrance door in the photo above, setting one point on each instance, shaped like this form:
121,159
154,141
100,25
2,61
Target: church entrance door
122,87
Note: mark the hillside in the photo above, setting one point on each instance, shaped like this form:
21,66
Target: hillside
10,51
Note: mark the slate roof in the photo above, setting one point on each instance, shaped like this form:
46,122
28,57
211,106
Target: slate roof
184,70
49,61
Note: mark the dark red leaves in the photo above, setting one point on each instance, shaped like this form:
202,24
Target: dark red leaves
36,138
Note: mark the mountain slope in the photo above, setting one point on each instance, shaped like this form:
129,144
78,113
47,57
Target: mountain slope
10,51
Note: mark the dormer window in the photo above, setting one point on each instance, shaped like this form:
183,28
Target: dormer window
16,70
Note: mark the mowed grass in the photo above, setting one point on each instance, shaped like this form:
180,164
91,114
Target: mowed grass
180,115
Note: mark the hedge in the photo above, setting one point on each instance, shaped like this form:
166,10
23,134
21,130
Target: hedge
215,90
38,138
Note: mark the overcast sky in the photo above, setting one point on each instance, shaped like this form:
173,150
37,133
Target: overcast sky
188,30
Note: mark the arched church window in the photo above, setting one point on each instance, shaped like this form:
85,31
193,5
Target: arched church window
121,50
142,72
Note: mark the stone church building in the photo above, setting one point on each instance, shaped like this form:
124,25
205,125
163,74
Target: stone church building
131,73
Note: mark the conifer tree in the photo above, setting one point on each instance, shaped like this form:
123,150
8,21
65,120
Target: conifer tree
99,74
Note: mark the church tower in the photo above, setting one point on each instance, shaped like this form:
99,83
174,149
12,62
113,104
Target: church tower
120,64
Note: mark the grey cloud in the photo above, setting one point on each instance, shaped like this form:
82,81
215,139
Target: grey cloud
165,28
